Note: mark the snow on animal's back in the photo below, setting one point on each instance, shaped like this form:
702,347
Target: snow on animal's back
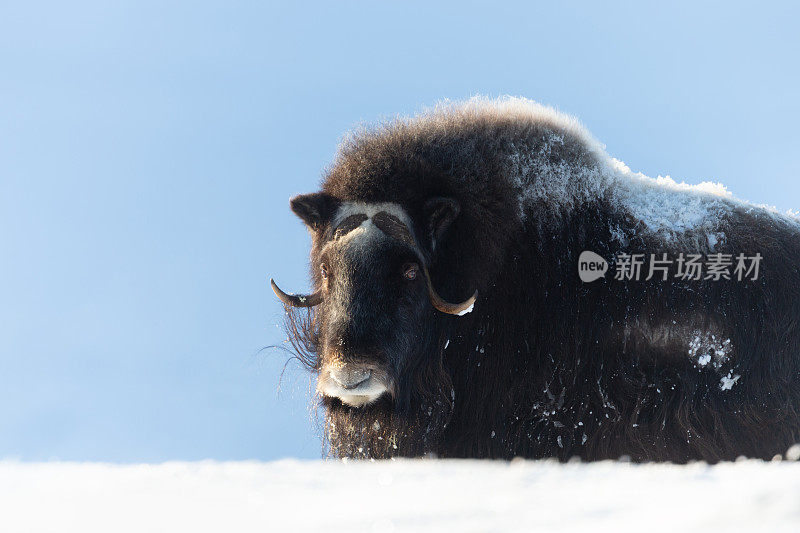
565,178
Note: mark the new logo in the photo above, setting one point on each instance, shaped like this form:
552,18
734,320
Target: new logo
591,266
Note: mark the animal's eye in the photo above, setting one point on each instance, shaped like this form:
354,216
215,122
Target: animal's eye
410,271
323,270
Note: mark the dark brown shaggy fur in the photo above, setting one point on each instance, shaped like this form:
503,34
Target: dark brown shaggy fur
545,365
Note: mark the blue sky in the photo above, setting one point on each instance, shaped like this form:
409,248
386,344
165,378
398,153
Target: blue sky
148,152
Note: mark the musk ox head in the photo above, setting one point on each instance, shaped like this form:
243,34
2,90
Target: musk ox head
369,330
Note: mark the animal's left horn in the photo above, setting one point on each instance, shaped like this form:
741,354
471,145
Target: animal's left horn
446,307
296,300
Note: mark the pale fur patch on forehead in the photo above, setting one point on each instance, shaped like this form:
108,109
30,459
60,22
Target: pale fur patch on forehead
370,209
359,230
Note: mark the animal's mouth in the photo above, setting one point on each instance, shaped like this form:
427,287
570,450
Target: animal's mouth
353,384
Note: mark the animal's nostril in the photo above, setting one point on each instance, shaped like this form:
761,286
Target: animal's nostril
350,378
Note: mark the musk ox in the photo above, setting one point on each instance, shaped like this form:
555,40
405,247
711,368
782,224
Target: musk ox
488,282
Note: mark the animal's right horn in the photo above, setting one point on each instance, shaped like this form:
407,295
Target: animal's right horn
296,300
446,307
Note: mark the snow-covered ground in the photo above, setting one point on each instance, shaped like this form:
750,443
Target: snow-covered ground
409,495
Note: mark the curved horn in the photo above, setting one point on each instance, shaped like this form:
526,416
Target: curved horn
446,307
296,300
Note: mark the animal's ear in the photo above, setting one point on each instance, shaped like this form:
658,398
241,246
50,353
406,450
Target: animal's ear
315,209
440,213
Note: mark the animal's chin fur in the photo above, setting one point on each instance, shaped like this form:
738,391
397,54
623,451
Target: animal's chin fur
382,429
356,400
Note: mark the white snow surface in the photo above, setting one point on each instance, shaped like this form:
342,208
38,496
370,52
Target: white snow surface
403,495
